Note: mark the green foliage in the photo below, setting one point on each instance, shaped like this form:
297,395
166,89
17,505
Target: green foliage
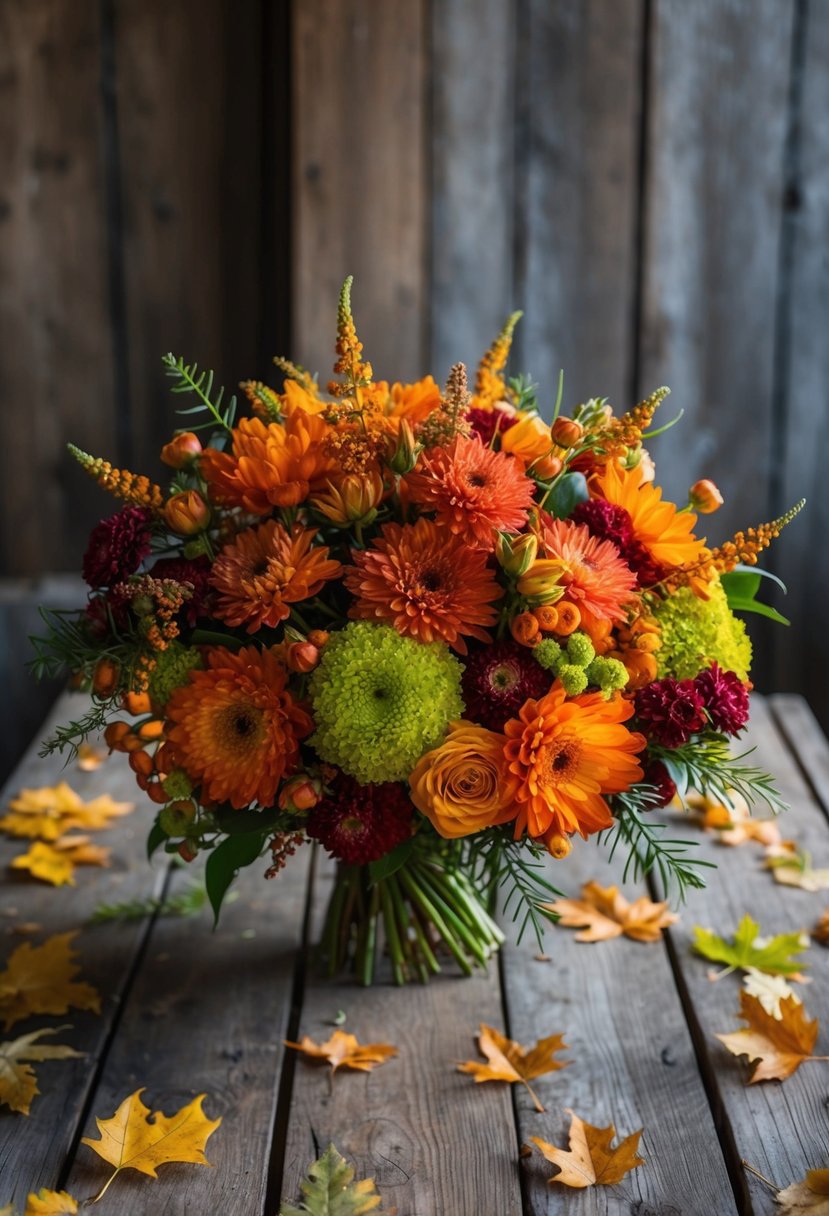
515,868
565,494
649,850
741,586
71,735
776,956
225,862
185,903
188,379
330,1190
524,394
706,765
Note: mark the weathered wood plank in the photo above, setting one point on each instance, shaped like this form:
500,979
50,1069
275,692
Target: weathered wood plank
359,180
56,367
578,68
473,150
33,1150
800,728
633,1063
778,1127
433,1140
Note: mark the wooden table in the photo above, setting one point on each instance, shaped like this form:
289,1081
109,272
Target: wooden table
187,1011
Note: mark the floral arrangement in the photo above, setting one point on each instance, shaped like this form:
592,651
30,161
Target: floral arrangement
428,629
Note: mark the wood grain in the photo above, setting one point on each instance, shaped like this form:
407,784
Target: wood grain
360,180
799,727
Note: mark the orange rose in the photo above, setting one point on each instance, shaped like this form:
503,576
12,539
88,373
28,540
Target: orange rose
531,442
462,786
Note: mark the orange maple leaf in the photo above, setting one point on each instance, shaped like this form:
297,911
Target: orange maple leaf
344,1051
776,1046
603,912
40,979
590,1160
509,1061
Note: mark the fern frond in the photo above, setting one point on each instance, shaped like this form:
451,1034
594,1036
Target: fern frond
188,379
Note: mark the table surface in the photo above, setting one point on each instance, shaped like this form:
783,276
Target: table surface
188,1011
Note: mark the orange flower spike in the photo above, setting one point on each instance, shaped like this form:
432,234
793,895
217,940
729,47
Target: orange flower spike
547,617
123,484
569,619
525,629
187,513
704,497
745,546
489,382
182,450
349,349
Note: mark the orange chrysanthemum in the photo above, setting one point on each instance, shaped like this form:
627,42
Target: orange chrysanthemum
666,533
595,575
426,582
473,490
235,727
271,465
265,570
412,401
564,755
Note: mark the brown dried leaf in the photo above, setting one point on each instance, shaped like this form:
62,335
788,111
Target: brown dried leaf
777,1047
604,913
590,1160
344,1051
807,1198
509,1061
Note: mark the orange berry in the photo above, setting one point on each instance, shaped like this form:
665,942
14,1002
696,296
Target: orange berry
566,432
105,677
318,637
136,703
525,629
152,729
558,846
547,617
156,793
569,619
115,734
140,762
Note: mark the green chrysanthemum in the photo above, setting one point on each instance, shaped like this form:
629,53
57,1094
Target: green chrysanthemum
380,701
172,669
695,632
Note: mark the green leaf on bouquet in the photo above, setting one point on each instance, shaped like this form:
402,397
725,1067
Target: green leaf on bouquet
567,492
330,1190
384,867
741,586
236,823
773,955
225,862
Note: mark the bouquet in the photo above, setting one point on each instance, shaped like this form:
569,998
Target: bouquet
426,628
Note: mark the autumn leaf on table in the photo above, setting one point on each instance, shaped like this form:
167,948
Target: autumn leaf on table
821,930
48,812
734,825
509,1061
330,1190
591,1160
41,979
777,1047
55,863
18,1082
344,1051
770,990
796,870
774,955
807,1198
50,1203
89,758
137,1138
603,913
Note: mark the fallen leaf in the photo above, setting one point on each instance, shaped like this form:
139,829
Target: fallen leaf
89,758
40,979
18,1082
330,1190
509,1061
605,913
821,930
779,1046
48,812
770,990
796,870
807,1198
55,863
344,1051
137,1138
774,955
50,1203
590,1159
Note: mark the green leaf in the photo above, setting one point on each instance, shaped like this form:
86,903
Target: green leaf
568,491
155,838
384,867
225,862
775,955
330,1190
236,823
741,586
760,573
741,605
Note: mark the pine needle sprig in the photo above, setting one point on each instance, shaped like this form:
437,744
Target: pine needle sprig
188,379
185,903
708,767
515,869
649,850
70,735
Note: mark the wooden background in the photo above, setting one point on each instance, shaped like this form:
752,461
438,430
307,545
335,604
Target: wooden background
647,179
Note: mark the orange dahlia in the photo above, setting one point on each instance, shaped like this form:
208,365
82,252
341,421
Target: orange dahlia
595,575
235,727
426,582
265,570
563,755
474,491
271,464
666,533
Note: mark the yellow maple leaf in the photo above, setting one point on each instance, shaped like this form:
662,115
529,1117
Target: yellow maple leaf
47,812
137,1138
343,1050
604,913
776,1046
40,979
796,870
50,1203
55,862
591,1160
509,1061
18,1082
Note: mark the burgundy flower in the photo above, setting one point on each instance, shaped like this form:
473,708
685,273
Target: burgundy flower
117,546
642,562
195,571
670,711
486,422
498,680
605,520
725,697
359,823
658,776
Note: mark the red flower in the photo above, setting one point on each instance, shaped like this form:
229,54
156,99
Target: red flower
658,776
359,823
498,680
117,546
605,520
485,423
726,698
670,711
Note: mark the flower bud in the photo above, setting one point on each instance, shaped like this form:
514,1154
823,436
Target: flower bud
704,497
353,500
187,513
318,637
187,851
181,450
404,457
516,554
558,846
302,657
566,432
176,818
300,793
541,582
136,703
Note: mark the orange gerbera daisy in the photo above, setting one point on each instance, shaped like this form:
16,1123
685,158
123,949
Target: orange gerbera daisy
265,570
664,531
271,464
235,727
564,755
473,490
595,575
426,582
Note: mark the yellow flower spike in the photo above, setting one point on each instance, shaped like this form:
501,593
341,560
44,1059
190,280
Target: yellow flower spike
489,383
292,371
349,349
123,484
264,401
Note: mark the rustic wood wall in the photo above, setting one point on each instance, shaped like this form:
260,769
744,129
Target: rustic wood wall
647,179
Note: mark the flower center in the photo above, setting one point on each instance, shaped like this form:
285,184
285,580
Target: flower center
504,677
430,580
240,727
477,480
558,762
